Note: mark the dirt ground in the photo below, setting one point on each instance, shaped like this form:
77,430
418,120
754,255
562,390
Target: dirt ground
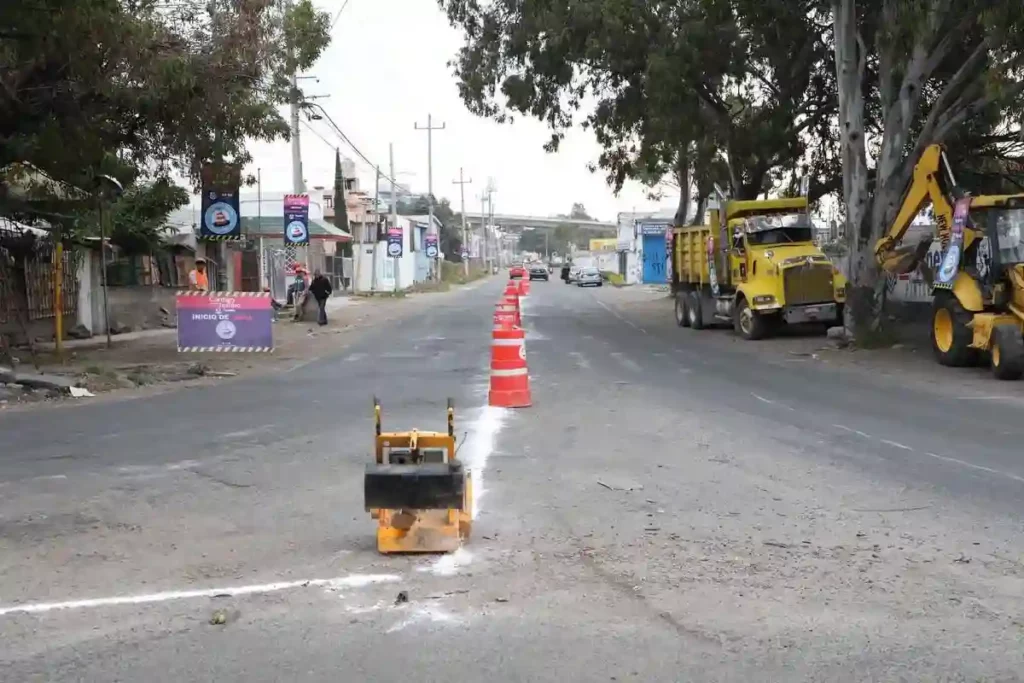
152,362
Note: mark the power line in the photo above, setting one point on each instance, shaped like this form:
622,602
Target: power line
338,15
341,134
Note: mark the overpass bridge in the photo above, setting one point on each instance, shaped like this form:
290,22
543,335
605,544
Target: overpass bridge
511,222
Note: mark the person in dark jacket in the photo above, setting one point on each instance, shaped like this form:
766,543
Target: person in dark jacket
320,288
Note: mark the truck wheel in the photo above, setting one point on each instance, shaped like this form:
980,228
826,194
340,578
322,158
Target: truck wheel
1007,352
694,311
748,322
682,316
951,338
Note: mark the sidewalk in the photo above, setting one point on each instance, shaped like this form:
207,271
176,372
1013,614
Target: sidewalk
146,358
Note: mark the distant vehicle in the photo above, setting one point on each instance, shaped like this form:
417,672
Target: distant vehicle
516,272
589,276
538,272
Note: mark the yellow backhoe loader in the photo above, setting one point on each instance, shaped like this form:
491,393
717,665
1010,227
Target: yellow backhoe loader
978,294
417,490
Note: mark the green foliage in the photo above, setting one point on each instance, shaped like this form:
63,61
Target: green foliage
139,89
138,218
451,223
705,90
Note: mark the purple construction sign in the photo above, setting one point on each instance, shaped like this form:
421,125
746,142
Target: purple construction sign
225,321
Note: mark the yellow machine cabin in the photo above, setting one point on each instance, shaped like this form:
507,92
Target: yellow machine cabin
417,490
978,291
755,266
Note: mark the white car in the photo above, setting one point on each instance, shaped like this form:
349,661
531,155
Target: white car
589,276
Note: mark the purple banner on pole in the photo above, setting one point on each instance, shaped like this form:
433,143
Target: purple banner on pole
225,321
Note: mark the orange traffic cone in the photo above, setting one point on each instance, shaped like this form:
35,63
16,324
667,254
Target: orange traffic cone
510,380
512,288
510,310
524,287
504,317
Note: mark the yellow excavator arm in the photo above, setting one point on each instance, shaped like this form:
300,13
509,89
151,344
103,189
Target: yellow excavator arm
926,186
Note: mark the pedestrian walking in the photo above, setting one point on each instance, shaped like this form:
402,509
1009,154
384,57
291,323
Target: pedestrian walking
320,288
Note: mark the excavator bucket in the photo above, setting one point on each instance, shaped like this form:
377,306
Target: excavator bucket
416,489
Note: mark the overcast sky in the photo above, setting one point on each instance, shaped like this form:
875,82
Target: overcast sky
385,70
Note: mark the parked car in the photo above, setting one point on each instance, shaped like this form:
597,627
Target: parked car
516,272
589,276
538,272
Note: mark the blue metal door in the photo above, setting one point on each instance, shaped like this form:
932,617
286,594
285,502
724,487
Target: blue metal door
654,259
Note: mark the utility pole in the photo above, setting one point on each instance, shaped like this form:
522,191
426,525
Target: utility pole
376,227
394,208
430,128
298,187
462,182
483,232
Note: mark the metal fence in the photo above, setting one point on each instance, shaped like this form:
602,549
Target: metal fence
27,279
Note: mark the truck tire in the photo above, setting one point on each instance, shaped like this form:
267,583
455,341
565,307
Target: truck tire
951,337
749,323
1007,352
682,316
694,311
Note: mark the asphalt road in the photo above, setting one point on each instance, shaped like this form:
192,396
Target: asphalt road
671,508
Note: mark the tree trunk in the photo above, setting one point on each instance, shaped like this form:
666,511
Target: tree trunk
702,204
682,173
866,290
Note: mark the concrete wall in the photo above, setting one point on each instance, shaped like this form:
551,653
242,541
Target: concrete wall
383,267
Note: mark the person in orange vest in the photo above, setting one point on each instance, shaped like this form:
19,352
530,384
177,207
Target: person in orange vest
198,281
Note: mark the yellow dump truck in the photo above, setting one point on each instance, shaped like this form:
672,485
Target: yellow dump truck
756,267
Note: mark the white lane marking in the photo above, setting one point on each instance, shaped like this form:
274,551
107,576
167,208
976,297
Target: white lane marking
582,362
353,357
984,398
770,401
449,565
976,467
853,431
479,445
301,364
429,613
49,477
351,581
896,444
627,362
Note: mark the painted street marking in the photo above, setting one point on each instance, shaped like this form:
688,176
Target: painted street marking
479,445
761,398
428,613
984,398
302,364
351,581
352,357
616,314
449,565
976,467
853,431
627,362
896,444
581,362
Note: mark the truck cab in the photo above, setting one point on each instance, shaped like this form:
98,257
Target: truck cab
754,266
